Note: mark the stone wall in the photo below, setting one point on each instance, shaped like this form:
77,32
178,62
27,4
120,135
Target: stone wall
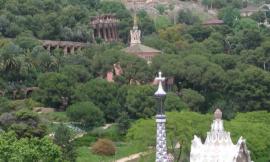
66,46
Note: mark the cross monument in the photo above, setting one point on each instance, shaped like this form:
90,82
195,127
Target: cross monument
161,147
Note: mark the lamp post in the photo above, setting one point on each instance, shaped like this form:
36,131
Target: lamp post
161,147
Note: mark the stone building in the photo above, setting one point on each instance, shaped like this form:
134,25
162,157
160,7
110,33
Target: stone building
66,46
137,48
218,146
213,22
248,11
105,27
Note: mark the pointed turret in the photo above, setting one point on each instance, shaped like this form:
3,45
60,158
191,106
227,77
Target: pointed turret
135,33
218,145
135,22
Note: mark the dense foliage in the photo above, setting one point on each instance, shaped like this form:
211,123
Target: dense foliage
224,66
86,113
26,149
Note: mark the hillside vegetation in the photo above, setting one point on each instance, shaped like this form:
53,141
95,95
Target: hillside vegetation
225,66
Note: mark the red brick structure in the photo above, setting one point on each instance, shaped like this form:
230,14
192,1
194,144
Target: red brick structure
116,71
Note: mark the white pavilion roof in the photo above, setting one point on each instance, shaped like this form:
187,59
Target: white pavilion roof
218,146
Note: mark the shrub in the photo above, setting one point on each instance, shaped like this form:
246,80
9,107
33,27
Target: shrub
86,113
111,133
192,98
85,140
104,147
62,138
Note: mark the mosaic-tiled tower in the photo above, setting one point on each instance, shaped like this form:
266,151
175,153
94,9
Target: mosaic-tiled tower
161,147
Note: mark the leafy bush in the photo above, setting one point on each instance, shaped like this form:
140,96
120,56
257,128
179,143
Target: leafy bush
111,133
4,105
104,147
56,116
187,17
62,138
27,149
174,103
192,98
86,113
24,123
85,140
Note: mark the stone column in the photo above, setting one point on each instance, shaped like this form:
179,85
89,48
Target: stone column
108,32
161,146
72,49
98,32
49,48
105,34
113,33
65,50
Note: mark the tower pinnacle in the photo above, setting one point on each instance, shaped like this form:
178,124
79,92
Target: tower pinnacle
161,146
135,33
135,22
218,114
160,91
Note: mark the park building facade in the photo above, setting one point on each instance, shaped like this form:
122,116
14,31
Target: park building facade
218,146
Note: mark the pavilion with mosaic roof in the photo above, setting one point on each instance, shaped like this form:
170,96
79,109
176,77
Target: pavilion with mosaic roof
218,146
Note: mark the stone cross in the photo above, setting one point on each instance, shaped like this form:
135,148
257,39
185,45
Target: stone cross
160,78
160,91
161,146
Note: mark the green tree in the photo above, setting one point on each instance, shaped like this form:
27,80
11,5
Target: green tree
123,123
76,73
248,88
161,9
187,17
86,113
250,39
229,15
10,62
227,62
192,98
245,23
27,149
162,22
24,123
103,94
52,87
174,103
199,32
215,43
140,101
145,23
63,138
